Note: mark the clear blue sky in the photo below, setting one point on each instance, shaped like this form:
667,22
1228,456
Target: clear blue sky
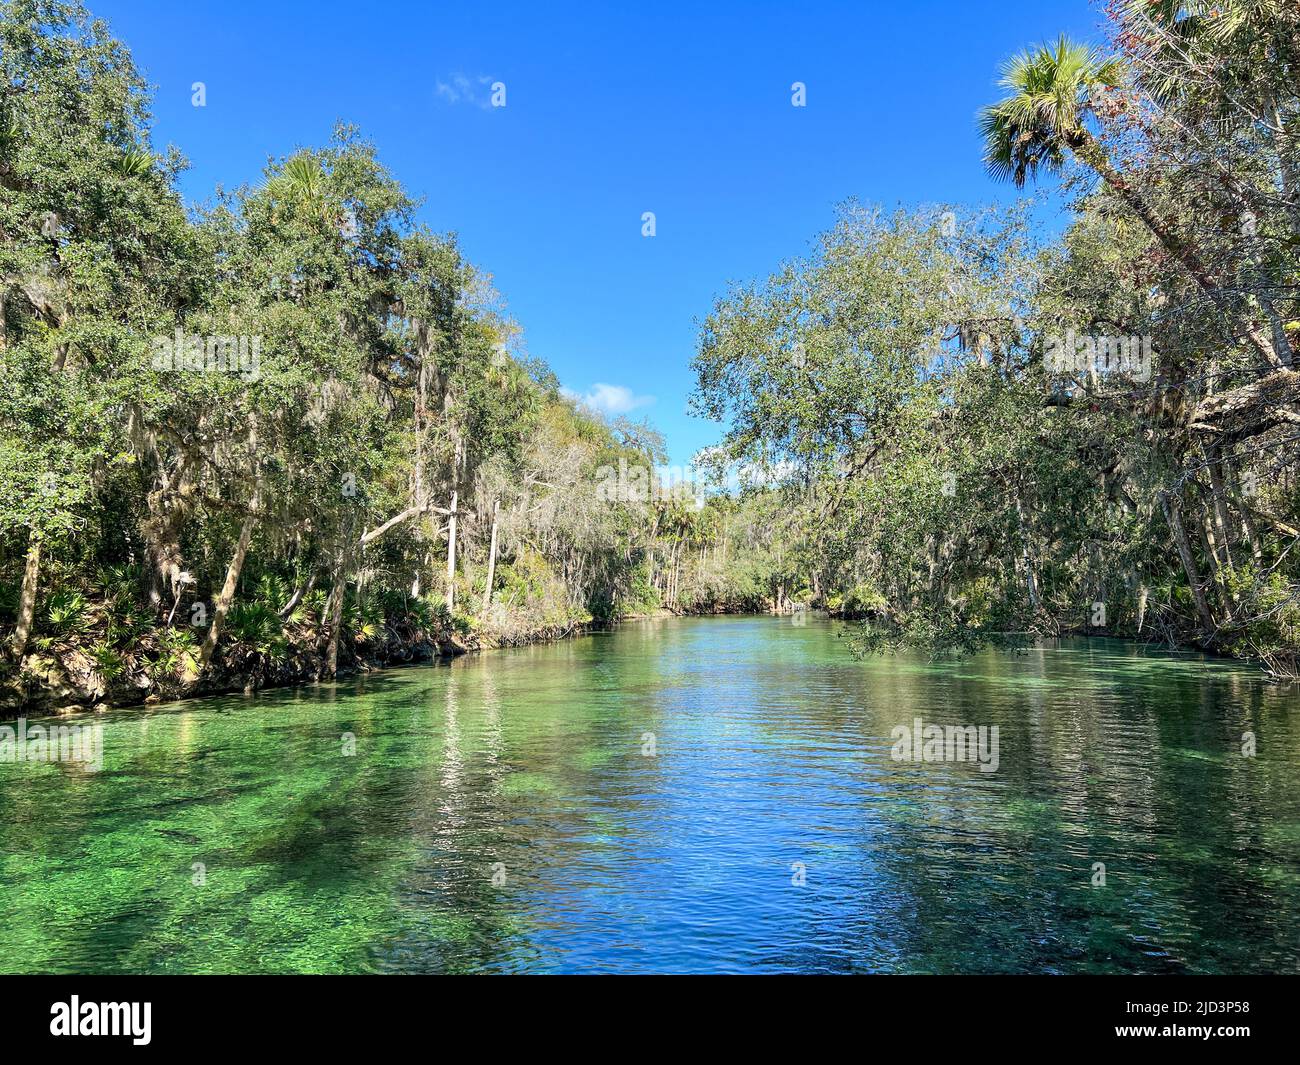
612,110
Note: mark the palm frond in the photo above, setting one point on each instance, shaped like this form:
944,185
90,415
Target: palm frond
1048,91
133,163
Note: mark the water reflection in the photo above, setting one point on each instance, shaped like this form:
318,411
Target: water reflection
500,814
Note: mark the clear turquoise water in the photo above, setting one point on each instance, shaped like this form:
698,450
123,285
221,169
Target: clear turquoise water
772,747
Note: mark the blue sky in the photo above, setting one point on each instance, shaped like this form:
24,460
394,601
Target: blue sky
611,110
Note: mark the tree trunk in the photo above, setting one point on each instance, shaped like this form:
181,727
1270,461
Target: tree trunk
167,507
1247,522
492,560
162,543
1248,410
27,601
298,594
1215,557
1224,524
335,610
222,605
1171,506
1031,583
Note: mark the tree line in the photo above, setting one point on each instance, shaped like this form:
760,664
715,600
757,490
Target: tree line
293,430
991,433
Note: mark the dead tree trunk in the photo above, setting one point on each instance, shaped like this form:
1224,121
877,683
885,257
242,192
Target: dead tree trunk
451,554
492,559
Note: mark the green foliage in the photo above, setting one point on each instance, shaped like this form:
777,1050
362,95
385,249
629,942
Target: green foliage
126,623
366,623
119,584
176,651
1271,603
858,601
370,358
67,612
937,633
133,163
257,627
109,662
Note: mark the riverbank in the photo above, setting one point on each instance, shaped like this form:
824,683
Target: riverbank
76,673
68,677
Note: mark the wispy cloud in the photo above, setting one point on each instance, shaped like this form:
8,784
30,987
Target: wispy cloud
610,399
462,89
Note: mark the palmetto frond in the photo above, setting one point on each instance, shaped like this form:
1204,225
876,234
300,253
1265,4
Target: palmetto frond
304,177
134,162
1048,89
301,185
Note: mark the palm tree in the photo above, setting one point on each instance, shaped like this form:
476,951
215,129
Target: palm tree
1045,115
512,382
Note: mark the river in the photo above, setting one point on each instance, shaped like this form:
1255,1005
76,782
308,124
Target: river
683,795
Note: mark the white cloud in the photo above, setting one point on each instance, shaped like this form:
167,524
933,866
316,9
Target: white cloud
461,89
610,399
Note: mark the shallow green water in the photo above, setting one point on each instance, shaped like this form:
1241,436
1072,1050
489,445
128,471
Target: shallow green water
771,747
